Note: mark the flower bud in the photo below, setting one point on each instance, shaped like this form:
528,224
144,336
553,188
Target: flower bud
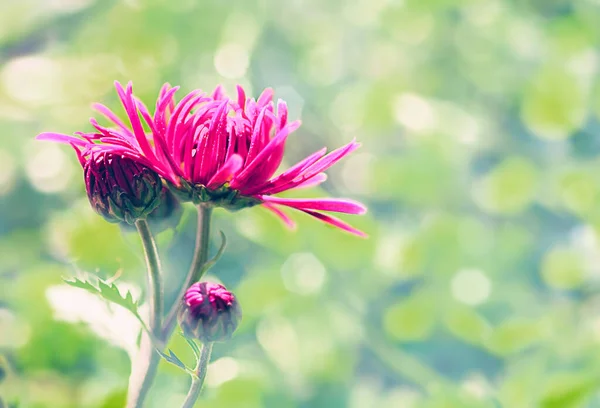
121,189
209,313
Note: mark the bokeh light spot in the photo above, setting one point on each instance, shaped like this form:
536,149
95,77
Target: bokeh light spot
32,79
414,112
471,286
303,273
231,60
48,169
223,370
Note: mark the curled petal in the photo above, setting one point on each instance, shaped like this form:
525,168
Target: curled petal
61,138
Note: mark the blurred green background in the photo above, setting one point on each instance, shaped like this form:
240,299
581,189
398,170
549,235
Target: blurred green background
480,283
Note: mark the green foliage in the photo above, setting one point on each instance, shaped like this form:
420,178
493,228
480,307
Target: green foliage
108,291
173,359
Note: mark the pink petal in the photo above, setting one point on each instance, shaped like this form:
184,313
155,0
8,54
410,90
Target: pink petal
279,183
320,204
286,182
113,118
241,97
282,112
127,100
336,222
255,139
312,182
271,151
61,138
212,151
182,109
218,93
287,220
265,97
330,159
226,173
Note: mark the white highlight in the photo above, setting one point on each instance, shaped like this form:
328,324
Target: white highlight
48,169
223,370
357,173
32,79
414,112
471,286
231,60
280,342
303,273
109,321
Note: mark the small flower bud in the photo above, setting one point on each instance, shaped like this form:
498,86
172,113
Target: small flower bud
209,313
121,189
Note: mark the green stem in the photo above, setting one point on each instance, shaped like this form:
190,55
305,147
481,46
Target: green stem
145,363
198,380
199,259
143,372
154,275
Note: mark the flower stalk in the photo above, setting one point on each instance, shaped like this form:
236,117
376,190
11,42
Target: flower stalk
154,276
194,273
145,364
198,379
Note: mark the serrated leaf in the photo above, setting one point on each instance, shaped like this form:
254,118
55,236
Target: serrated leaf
110,292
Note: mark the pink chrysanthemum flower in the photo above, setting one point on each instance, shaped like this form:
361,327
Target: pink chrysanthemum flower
211,149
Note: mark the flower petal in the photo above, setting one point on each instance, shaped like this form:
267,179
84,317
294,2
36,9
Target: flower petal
284,217
226,172
336,222
320,204
61,138
312,182
266,161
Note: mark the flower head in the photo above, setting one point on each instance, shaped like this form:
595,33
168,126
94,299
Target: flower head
119,188
209,313
215,150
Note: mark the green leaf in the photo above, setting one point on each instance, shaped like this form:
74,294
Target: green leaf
173,359
193,346
110,292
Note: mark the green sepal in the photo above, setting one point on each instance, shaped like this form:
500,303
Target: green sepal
223,196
